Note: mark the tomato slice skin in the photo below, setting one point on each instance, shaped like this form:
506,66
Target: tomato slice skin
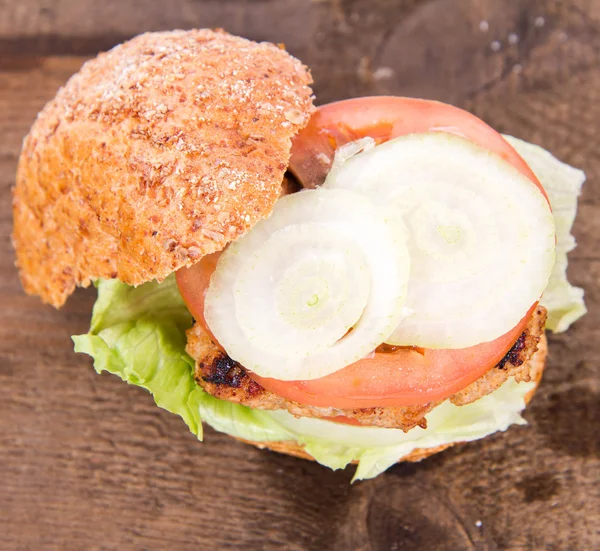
405,376
193,283
384,118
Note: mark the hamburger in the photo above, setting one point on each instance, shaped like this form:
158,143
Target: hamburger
364,282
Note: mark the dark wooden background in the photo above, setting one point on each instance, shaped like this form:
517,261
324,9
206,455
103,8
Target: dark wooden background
87,462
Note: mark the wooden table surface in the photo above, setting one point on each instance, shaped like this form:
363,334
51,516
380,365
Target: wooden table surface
88,462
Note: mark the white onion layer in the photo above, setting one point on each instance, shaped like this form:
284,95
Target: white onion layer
284,297
481,235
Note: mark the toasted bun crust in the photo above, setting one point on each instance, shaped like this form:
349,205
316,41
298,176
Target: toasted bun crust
537,365
154,154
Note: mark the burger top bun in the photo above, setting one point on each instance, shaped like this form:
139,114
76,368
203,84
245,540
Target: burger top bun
154,154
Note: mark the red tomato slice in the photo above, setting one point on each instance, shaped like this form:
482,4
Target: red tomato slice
384,118
406,376
193,283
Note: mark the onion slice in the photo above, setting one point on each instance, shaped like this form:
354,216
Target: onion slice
313,288
481,235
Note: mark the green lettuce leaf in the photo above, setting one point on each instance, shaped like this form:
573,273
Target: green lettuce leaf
241,421
376,449
138,334
562,183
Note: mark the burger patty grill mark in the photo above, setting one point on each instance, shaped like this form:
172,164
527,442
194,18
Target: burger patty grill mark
226,379
514,355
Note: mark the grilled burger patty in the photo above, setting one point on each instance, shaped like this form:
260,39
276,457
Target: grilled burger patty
226,379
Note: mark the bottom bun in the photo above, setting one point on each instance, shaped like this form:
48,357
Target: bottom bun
537,363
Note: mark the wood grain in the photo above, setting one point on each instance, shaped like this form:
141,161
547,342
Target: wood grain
90,463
